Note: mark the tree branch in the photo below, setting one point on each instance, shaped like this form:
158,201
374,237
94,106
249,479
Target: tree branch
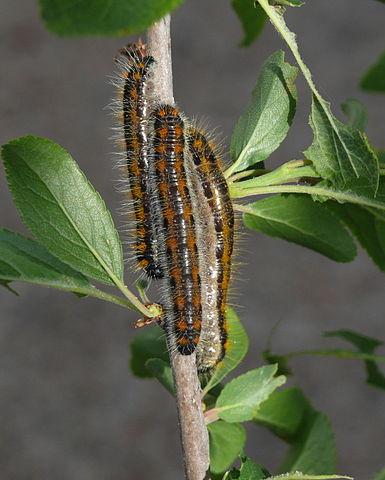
193,432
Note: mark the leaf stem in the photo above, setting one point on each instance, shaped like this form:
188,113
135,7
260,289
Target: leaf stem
286,173
321,191
277,20
211,415
133,299
96,293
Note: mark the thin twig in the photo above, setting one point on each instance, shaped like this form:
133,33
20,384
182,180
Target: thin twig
193,432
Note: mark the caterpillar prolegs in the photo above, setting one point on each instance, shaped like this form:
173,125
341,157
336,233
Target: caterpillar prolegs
184,220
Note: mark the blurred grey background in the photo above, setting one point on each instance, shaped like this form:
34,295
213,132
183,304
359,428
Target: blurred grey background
69,408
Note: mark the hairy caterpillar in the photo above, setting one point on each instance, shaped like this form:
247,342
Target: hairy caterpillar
133,106
215,238
176,230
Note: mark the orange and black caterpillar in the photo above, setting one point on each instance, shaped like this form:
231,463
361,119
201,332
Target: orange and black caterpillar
133,106
176,231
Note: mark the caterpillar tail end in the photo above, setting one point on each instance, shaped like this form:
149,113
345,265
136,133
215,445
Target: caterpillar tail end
187,344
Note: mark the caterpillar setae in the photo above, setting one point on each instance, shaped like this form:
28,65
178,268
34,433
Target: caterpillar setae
215,239
132,107
184,216
176,230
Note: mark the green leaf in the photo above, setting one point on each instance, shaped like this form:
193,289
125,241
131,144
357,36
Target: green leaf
312,445
365,345
249,470
252,18
238,344
252,471
226,443
313,450
283,412
25,260
266,121
162,371
241,398
62,209
148,344
374,78
341,154
363,224
356,112
380,475
22,259
298,219
98,17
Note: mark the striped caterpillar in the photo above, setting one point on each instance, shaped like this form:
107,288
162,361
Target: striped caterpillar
134,92
184,217
215,238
